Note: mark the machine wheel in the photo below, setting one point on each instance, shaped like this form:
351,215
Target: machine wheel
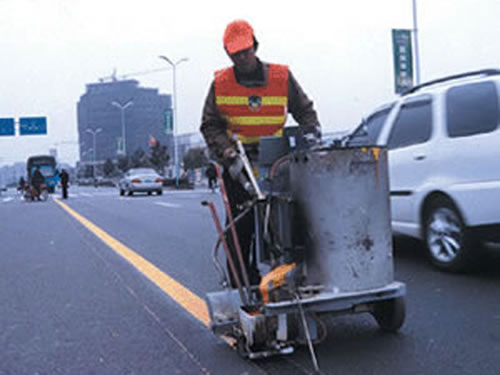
390,314
159,192
241,346
122,192
449,243
130,193
150,192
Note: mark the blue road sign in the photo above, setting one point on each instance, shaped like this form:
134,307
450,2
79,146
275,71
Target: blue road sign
32,125
7,126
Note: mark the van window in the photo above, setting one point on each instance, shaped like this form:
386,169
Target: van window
472,109
412,126
367,135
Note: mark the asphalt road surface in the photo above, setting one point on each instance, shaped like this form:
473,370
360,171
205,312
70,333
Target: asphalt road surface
103,284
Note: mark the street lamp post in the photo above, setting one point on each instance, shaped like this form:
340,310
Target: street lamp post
122,109
415,36
176,158
94,133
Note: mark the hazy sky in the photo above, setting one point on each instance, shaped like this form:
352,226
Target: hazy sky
340,52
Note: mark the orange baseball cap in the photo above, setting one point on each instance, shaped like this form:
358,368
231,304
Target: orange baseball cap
238,36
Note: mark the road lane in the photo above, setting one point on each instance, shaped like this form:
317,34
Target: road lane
183,296
452,321
178,240
71,307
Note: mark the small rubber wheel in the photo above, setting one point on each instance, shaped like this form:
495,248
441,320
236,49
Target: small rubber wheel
241,346
390,314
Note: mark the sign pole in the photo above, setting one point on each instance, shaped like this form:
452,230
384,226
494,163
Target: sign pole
415,39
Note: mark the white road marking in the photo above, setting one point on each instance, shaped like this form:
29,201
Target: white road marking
170,205
8,199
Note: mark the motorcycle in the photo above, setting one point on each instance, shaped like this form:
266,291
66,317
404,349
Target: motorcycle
31,193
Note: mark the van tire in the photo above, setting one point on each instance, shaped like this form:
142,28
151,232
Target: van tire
450,244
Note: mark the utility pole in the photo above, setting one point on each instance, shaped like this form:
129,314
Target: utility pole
415,39
122,109
94,133
176,157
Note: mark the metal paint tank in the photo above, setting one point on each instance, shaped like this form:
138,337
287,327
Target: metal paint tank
343,220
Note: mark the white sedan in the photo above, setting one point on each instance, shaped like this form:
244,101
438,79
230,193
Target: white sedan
144,180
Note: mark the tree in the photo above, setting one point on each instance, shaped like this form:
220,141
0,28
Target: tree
195,158
123,163
108,168
159,156
88,171
139,159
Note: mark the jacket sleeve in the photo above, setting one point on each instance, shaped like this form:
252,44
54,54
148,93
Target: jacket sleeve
300,106
214,126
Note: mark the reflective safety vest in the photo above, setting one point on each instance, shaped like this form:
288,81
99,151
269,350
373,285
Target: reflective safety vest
253,112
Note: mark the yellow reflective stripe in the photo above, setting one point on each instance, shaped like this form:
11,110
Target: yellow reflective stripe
274,100
231,100
257,120
243,100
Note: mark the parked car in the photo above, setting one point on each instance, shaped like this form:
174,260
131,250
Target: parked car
443,140
141,180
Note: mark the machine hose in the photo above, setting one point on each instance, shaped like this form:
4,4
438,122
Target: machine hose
322,330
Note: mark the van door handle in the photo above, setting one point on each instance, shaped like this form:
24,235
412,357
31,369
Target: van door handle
419,157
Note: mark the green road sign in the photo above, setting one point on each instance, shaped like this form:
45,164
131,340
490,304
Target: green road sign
403,60
169,121
120,149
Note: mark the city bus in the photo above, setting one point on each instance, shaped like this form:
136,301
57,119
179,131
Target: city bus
47,166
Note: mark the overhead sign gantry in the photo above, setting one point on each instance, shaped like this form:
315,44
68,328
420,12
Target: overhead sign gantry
27,126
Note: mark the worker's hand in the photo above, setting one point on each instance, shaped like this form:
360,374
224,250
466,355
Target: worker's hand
229,154
236,168
313,138
233,163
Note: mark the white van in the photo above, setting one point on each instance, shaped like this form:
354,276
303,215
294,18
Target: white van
443,139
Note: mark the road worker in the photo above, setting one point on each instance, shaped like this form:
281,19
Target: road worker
249,100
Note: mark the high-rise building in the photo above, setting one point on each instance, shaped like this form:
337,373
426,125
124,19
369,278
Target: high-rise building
143,118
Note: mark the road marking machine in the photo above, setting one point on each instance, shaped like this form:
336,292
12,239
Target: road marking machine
322,244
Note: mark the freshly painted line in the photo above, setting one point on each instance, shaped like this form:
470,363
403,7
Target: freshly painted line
183,296
171,205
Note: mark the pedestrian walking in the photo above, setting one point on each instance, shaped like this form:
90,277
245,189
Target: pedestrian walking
64,183
211,174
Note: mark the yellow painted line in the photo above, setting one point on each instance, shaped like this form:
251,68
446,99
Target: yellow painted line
183,296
